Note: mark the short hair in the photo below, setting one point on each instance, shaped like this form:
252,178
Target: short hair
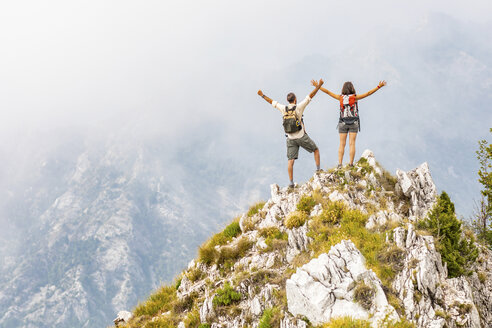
291,97
348,88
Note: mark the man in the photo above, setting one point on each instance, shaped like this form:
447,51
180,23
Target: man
294,128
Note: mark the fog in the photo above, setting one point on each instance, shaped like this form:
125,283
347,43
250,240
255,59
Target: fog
151,69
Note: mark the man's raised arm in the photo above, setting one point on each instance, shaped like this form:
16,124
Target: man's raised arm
268,100
328,92
319,84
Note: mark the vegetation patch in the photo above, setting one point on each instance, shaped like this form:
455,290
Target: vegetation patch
208,253
341,223
457,252
161,301
392,256
306,204
234,252
274,238
364,295
295,219
232,230
270,318
226,296
255,208
347,322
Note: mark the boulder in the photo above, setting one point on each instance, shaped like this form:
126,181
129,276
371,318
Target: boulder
324,288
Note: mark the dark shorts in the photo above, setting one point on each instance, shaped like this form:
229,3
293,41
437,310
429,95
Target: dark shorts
294,144
346,128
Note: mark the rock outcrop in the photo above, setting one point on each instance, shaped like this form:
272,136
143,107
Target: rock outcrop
284,279
324,288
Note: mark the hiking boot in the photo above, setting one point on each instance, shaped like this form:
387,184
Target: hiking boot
339,167
351,165
291,186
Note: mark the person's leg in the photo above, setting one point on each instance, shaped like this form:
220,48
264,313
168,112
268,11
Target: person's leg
292,153
341,148
352,137
316,158
290,169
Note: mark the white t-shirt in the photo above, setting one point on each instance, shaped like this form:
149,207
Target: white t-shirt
299,111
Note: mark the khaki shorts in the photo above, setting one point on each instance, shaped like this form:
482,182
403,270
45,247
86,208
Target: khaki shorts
294,144
346,128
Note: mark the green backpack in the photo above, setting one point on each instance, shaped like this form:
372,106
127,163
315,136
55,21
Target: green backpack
291,122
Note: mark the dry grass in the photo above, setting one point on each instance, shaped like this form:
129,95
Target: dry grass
295,219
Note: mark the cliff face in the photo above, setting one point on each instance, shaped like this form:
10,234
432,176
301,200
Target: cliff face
345,244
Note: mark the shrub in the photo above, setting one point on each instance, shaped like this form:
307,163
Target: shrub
255,208
226,296
306,204
270,318
295,219
456,252
232,230
204,325
364,295
483,215
161,301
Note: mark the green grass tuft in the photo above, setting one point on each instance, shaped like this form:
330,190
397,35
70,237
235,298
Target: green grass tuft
255,208
161,301
306,204
232,230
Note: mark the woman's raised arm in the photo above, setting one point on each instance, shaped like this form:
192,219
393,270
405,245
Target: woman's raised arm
315,83
370,92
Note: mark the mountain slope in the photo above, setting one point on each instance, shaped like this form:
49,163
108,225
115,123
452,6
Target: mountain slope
115,221
347,243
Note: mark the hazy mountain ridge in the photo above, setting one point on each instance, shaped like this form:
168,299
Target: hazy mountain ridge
120,224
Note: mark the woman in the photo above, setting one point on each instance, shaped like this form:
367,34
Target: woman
349,116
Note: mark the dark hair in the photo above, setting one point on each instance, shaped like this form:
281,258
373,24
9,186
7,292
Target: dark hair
291,97
348,88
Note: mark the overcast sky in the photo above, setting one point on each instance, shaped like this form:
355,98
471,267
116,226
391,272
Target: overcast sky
83,62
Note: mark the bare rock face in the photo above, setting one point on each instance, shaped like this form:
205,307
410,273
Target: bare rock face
431,299
298,241
324,288
207,309
417,185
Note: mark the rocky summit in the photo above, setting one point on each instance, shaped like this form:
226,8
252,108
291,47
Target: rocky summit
345,249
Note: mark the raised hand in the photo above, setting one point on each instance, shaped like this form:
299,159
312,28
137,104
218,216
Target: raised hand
314,83
381,84
320,83
260,93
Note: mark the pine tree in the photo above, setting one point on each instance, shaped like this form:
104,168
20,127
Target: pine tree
457,252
